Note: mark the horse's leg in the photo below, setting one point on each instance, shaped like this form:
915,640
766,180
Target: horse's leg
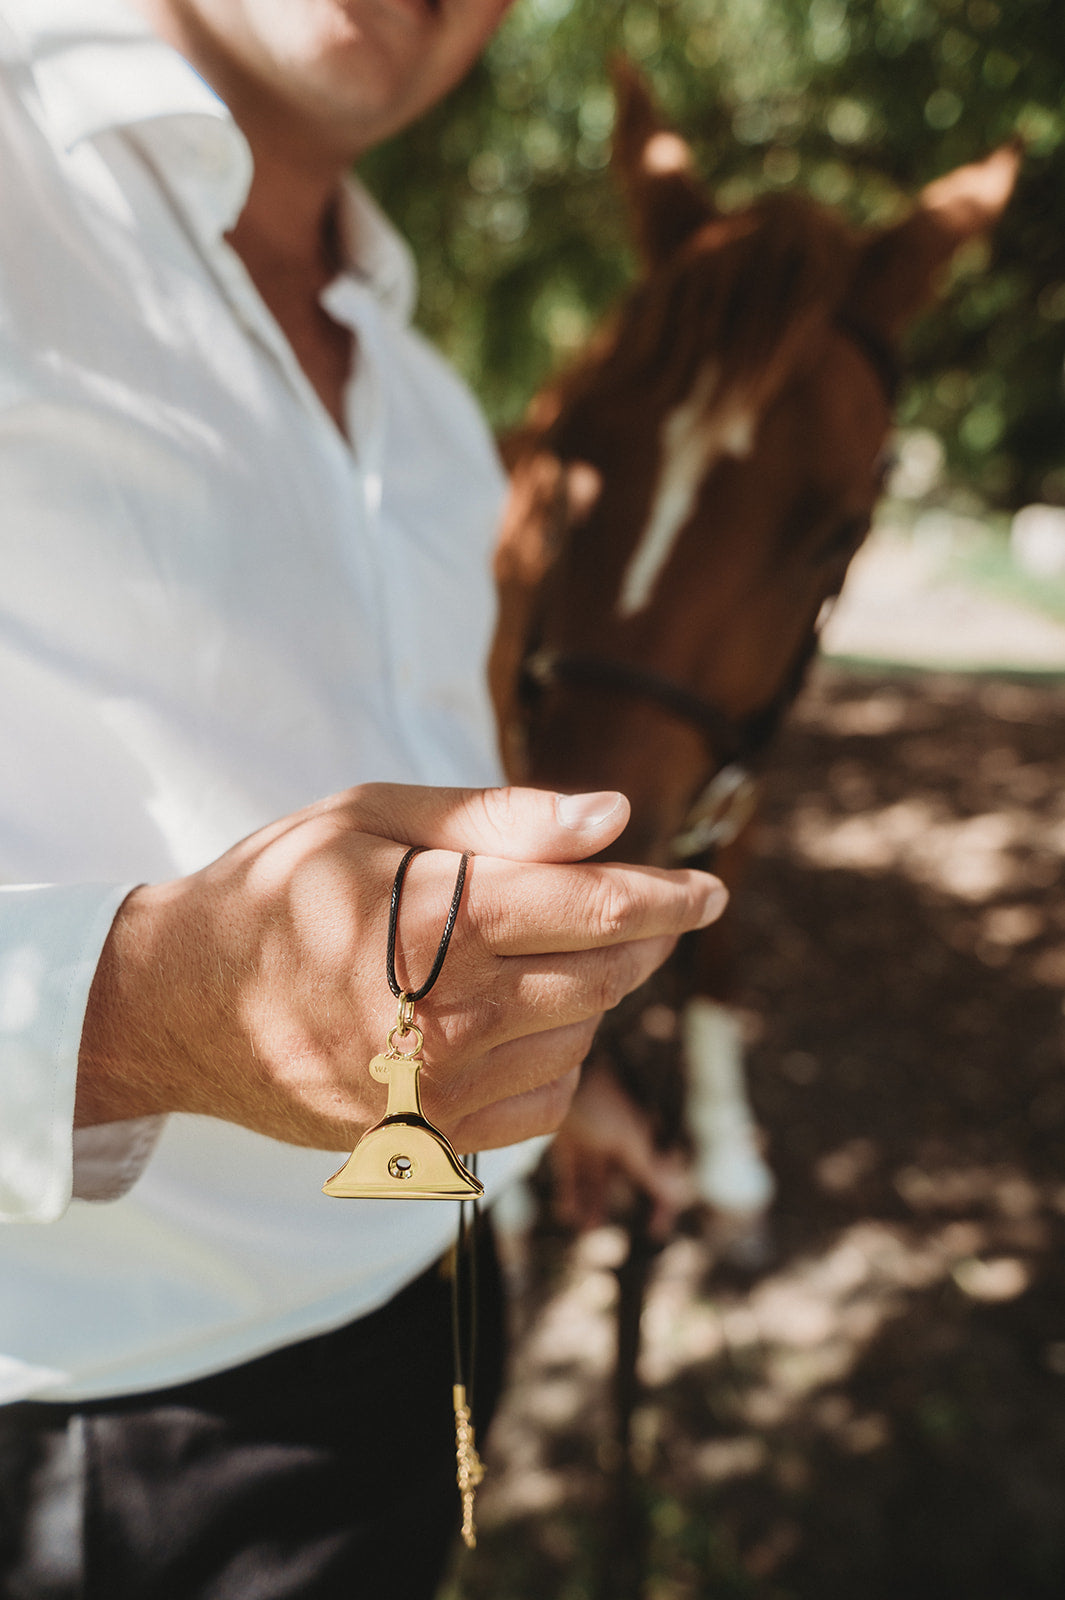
623,1562
729,1170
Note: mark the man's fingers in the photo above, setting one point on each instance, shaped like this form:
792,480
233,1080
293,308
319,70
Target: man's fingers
551,991
674,1193
530,998
539,910
453,1093
524,1116
517,824
538,914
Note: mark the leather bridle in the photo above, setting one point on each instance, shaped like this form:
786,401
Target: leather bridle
724,803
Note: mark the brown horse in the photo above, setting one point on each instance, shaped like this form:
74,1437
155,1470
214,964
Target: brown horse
683,504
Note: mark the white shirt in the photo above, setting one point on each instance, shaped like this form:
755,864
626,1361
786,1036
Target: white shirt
213,610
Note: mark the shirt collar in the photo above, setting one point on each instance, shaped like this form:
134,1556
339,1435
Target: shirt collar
375,253
99,68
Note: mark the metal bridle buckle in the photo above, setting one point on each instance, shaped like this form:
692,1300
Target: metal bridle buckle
719,814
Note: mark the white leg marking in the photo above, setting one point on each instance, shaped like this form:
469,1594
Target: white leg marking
692,440
730,1173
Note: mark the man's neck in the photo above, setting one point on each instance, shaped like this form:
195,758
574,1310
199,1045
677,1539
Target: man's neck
291,254
290,220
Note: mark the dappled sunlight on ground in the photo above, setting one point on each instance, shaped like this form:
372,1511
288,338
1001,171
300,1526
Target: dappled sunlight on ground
878,1408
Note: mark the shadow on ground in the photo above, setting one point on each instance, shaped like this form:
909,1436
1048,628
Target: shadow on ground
880,1410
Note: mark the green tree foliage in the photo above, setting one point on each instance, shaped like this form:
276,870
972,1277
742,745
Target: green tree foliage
506,195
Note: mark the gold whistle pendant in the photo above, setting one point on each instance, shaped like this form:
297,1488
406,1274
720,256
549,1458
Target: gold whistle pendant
403,1157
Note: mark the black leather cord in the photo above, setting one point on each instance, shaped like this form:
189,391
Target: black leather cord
445,938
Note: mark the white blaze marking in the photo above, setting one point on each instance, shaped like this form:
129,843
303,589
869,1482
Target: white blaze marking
730,1173
692,440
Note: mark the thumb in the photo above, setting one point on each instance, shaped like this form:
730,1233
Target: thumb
517,824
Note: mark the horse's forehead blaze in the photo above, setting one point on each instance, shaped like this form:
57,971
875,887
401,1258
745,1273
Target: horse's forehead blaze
692,438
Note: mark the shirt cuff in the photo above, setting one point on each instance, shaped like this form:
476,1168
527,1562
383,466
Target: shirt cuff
50,942
109,1158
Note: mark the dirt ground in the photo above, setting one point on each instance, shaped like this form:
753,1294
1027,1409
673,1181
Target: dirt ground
877,1408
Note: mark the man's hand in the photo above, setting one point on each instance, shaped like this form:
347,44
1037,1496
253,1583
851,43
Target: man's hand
255,989
605,1151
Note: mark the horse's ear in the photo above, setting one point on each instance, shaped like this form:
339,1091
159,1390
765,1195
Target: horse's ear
666,201
898,270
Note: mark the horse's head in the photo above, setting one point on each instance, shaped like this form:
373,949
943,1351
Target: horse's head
688,497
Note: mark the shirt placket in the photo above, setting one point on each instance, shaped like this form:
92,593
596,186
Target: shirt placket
355,463
393,582
372,557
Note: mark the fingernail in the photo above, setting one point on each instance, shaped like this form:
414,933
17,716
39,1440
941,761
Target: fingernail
715,903
586,810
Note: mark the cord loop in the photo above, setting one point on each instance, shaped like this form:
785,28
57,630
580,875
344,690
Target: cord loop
410,996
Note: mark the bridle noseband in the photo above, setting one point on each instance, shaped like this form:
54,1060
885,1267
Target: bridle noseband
730,739
724,803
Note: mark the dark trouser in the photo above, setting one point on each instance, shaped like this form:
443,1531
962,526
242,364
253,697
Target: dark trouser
324,1471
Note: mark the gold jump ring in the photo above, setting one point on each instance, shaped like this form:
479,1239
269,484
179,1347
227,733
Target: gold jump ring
402,1032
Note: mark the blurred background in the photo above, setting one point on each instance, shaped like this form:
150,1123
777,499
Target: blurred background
876,1405
506,196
